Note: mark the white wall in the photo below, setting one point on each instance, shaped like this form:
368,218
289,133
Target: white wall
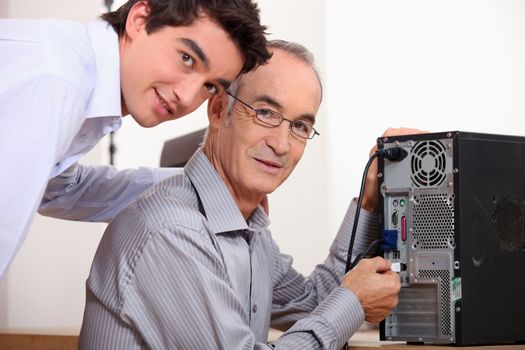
44,288
434,65
75,10
3,8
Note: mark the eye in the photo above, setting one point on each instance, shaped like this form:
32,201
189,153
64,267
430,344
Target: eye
187,59
212,89
301,128
268,116
264,113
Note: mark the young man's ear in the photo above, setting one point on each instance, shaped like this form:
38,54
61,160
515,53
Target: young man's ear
217,109
137,19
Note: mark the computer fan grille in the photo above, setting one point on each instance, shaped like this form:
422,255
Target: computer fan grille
428,164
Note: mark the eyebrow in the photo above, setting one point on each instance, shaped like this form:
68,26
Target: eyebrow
193,46
270,100
225,83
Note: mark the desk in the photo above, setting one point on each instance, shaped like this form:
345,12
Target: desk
40,342
363,340
369,340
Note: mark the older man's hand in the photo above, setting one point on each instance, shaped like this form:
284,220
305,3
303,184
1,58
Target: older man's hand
375,286
370,193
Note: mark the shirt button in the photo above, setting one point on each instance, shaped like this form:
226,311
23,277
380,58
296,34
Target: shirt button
254,308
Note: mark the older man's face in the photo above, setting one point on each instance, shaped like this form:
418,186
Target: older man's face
254,159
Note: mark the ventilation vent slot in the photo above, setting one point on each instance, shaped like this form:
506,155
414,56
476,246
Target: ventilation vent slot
416,314
433,222
428,164
444,284
508,223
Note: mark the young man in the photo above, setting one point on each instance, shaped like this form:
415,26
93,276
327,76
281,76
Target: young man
65,85
192,264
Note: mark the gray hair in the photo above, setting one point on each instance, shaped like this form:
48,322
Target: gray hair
293,49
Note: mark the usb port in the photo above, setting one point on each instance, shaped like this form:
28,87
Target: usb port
396,254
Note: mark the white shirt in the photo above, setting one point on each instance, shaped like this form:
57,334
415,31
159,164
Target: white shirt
59,95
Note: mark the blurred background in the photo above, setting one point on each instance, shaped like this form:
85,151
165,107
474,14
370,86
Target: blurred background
434,65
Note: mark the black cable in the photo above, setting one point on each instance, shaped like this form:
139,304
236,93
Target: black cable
392,154
349,263
371,251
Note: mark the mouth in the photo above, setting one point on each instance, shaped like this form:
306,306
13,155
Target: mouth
269,164
165,104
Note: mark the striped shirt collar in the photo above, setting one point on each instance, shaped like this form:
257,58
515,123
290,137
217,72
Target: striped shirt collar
222,213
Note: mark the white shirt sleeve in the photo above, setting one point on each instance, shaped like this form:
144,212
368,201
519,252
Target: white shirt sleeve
98,193
38,117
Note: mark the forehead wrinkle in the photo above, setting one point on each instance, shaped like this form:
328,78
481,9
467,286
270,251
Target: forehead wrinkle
268,99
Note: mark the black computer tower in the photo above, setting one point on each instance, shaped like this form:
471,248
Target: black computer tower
453,214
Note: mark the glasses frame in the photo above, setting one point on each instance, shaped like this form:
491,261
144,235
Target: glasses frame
276,113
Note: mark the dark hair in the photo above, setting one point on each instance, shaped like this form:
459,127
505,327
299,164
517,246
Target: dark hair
238,18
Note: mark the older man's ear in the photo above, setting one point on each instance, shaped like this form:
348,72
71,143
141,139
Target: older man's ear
217,108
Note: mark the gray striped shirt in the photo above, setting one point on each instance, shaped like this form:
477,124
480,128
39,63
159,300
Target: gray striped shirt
170,274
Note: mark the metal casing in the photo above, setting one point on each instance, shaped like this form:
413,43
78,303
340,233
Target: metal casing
463,242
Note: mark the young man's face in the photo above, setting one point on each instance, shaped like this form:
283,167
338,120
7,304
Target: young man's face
253,158
172,71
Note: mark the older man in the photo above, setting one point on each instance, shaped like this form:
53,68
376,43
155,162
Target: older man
192,264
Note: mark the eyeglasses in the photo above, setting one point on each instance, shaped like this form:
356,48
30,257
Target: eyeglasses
274,119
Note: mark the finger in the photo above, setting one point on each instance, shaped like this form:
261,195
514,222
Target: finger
403,131
390,273
378,264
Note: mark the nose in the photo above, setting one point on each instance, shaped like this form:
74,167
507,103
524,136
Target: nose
188,93
279,139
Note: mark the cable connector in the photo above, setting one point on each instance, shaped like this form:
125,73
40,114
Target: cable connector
394,154
396,267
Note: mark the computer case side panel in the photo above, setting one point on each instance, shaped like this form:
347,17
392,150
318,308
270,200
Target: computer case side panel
491,197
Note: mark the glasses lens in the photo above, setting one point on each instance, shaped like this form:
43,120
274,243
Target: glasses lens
268,117
302,129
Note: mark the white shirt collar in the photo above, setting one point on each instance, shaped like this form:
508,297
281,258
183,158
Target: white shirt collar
106,98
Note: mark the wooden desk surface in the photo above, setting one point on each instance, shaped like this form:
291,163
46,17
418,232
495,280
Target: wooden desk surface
9,341
369,340
363,340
